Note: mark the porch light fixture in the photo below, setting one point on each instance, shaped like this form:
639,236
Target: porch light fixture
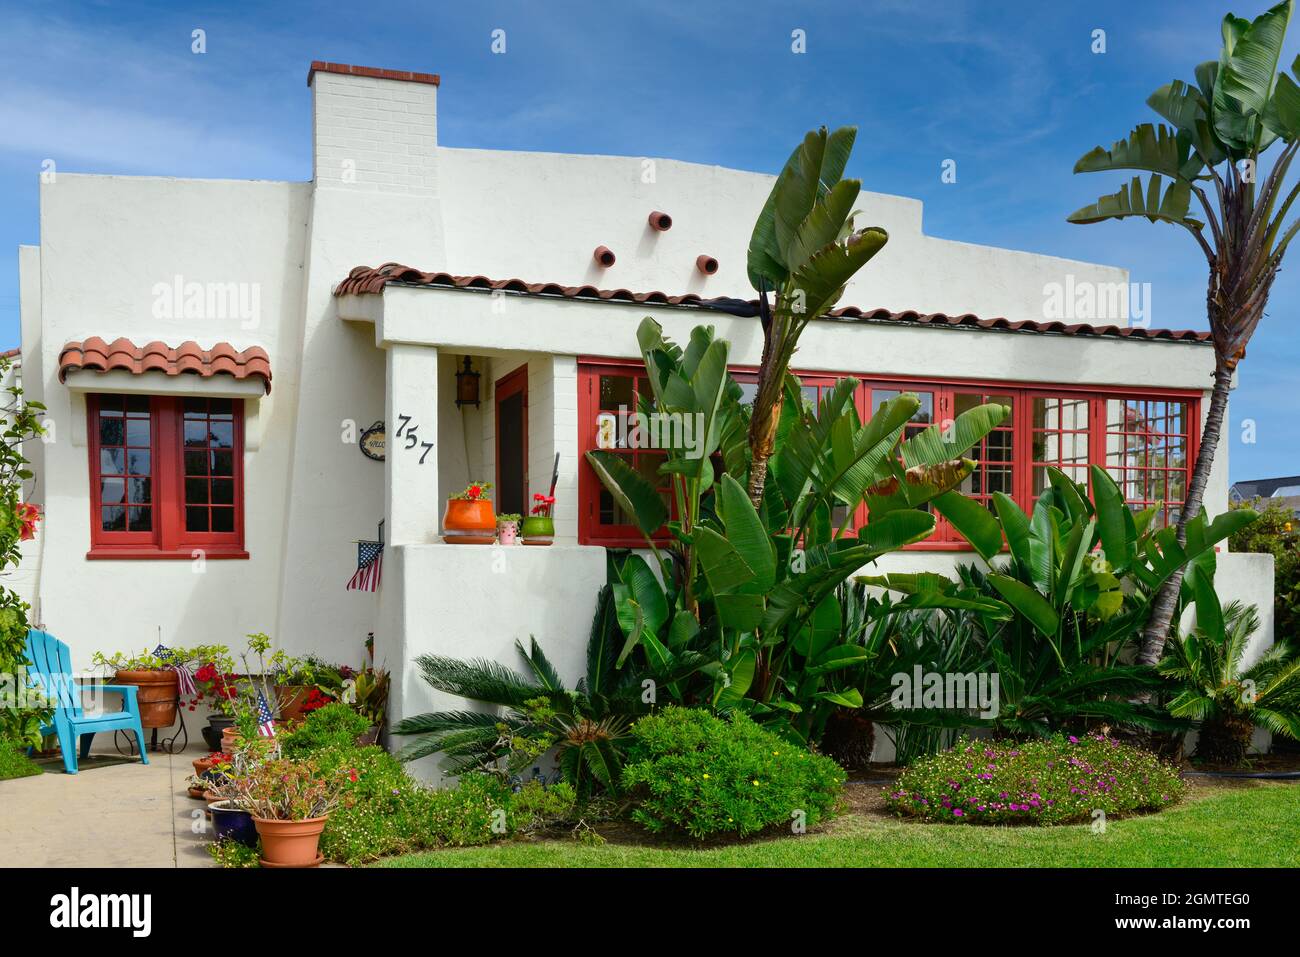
466,386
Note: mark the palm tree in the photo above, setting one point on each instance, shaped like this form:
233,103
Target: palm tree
1217,130
1227,699
804,249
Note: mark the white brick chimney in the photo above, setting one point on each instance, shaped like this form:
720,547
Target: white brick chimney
374,130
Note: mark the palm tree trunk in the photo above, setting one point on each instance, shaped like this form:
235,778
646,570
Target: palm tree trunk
762,441
1166,600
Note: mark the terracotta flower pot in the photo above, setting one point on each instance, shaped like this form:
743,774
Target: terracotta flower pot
197,793
157,695
290,843
228,740
292,698
204,764
538,530
467,522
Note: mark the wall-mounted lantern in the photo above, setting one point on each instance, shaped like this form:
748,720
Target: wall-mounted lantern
466,386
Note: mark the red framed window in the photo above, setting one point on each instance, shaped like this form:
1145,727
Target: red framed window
1145,438
166,476
608,395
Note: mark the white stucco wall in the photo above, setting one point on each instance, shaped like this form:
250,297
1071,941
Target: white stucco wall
488,598
106,242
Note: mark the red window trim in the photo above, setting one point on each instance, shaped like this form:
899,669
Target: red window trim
1021,392
168,539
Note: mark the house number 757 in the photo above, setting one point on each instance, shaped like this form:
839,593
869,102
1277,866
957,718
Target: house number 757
409,431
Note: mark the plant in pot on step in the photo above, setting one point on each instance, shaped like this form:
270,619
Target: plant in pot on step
290,802
157,677
303,684
508,528
539,528
469,519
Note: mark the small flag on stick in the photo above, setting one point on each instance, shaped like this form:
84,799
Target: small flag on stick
265,720
183,676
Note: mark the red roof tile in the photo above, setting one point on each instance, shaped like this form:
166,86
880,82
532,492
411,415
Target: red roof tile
222,359
367,279
320,66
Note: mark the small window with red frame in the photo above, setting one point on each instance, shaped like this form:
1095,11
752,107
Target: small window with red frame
166,476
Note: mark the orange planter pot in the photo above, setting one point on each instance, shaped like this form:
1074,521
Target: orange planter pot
467,522
290,843
228,736
292,698
157,695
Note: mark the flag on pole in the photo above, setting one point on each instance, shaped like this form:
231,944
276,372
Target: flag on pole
370,567
183,676
265,720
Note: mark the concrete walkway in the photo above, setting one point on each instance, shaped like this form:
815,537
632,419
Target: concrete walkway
122,815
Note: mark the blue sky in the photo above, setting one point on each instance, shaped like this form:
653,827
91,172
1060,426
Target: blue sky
1010,90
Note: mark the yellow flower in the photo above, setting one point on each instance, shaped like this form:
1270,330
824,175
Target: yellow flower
706,777
755,782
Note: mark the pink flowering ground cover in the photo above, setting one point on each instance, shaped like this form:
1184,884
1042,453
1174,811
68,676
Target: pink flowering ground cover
1060,780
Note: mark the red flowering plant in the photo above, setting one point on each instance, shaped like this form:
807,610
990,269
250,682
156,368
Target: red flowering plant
316,699
216,683
475,492
542,504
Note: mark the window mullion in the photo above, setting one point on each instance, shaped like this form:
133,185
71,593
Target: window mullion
166,452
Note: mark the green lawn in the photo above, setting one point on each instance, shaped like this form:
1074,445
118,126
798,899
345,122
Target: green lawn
1255,825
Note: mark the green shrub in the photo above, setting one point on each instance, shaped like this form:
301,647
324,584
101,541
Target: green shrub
535,807
691,771
335,725
384,811
1055,780
474,812
14,763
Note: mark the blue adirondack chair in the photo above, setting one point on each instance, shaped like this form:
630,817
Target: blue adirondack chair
52,668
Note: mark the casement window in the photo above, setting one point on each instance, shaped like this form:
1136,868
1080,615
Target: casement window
608,394
166,476
1146,439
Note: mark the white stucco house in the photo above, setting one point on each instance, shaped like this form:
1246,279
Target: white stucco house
210,350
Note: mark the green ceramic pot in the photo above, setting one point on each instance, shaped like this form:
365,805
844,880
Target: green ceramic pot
538,530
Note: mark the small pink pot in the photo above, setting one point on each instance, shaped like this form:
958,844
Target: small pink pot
508,533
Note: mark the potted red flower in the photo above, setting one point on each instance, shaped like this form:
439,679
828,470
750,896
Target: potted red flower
539,528
469,519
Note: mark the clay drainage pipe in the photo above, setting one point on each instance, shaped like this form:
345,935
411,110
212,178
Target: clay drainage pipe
706,264
604,256
661,221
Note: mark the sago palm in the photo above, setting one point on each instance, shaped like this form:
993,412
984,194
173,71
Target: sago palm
1226,699
1210,148
584,724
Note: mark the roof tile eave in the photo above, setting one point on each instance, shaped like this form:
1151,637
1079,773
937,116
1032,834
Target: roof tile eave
94,355
368,280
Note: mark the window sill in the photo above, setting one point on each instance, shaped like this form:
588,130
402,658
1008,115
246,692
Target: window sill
147,553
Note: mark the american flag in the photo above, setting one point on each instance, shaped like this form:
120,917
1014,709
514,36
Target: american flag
163,653
370,566
266,722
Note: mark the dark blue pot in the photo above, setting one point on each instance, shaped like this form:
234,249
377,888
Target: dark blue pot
232,824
